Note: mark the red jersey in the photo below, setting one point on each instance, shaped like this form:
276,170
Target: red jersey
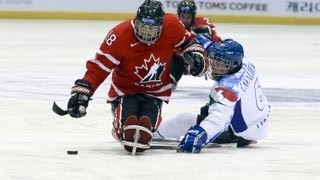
202,21
137,67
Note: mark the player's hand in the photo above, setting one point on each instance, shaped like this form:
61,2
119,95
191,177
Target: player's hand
81,93
194,56
204,31
193,140
197,63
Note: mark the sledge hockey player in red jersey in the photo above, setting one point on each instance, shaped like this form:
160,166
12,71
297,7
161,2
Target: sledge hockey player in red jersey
187,10
137,53
237,110
186,13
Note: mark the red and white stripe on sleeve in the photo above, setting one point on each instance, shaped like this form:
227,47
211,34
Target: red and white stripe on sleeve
101,66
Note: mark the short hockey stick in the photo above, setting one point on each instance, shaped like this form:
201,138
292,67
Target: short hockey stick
166,146
167,143
58,110
172,144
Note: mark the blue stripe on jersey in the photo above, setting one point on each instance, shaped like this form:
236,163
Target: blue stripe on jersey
237,121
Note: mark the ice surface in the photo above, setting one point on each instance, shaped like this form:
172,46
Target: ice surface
41,59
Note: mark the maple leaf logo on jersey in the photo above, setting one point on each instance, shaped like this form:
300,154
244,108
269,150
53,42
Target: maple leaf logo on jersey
151,70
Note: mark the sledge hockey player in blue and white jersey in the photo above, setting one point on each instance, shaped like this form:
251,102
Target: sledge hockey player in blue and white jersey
237,111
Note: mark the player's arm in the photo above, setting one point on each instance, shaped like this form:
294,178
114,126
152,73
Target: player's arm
214,35
98,70
194,56
212,123
193,53
203,31
221,109
105,60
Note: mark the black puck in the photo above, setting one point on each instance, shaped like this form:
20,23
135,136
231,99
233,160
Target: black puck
72,152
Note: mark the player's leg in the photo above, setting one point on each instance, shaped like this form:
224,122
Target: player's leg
176,126
132,129
176,69
124,109
138,129
242,138
150,108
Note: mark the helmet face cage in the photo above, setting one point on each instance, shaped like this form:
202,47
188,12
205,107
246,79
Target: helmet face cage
226,58
218,68
147,34
148,22
187,7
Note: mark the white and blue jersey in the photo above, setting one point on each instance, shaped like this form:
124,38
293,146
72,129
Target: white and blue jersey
237,100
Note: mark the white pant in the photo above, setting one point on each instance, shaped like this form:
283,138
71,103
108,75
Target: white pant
178,125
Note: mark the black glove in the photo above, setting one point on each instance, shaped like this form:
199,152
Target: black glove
193,55
81,93
204,112
196,62
204,31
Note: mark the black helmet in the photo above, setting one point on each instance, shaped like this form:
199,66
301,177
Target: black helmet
187,7
225,58
148,22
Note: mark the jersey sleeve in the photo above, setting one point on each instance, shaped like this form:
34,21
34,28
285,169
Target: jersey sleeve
221,109
205,21
106,58
180,33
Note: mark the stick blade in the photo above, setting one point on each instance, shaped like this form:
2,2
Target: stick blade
58,110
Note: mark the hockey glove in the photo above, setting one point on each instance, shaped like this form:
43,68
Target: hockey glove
204,112
204,31
193,140
81,93
193,55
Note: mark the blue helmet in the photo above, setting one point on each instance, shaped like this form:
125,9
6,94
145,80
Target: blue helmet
225,58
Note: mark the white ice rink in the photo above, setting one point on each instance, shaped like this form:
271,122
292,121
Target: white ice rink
39,61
